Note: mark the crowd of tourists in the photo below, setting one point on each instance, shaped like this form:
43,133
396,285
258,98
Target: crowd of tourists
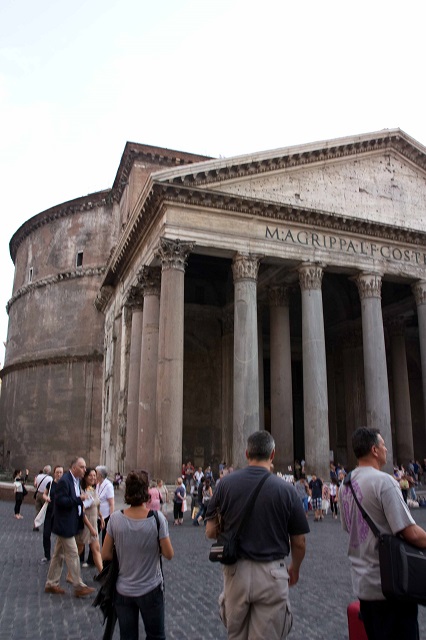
318,495
409,479
126,546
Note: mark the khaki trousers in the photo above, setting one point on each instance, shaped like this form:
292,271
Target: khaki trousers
65,548
254,602
39,502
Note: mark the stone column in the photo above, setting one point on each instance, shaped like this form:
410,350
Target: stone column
227,384
173,255
149,279
401,392
281,380
317,443
135,302
261,371
375,371
245,268
419,291
126,320
353,371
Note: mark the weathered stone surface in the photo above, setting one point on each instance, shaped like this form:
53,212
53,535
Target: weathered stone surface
383,187
354,205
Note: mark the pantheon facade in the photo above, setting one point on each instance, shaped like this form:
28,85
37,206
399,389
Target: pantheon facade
197,300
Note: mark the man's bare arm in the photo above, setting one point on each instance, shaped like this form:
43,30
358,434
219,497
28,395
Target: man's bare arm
415,535
212,527
298,548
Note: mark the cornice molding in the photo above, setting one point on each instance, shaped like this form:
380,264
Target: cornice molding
69,208
59,277
298,156
162,194
134,152
53,360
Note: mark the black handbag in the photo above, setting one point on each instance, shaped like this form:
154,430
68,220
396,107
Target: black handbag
105,598
402,566
225,549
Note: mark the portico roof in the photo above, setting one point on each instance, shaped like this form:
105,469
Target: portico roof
213,171
222,184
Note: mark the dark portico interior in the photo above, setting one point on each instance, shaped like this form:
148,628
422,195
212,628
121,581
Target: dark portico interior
209,294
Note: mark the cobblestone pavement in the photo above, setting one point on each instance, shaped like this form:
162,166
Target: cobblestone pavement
193,584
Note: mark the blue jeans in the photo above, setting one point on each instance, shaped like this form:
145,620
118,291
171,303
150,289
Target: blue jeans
151,606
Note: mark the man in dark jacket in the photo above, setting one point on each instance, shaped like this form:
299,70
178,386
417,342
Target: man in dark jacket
315,487
67,521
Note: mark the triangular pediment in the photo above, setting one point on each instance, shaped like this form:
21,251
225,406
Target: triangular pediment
382,188
376,177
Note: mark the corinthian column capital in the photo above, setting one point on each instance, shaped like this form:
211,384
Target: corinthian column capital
134,298
419,292
173,253
227,322
245,266
369,285
279,296
103,297
396,326
310,276
149,279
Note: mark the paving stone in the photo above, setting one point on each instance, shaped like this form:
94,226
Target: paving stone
193,585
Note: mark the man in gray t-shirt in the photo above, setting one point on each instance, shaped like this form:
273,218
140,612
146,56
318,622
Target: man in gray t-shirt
380,496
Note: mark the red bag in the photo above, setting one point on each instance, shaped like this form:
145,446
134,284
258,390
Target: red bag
355,624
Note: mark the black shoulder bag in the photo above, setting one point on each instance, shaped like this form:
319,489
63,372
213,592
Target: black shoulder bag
402,566
36,491
157,520
225,549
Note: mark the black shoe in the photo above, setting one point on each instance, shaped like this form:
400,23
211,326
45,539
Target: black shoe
196,523
36,529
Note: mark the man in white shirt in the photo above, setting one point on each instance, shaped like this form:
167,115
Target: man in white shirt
105,491
40,483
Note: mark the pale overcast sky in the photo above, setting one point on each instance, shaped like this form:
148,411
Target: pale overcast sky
224,77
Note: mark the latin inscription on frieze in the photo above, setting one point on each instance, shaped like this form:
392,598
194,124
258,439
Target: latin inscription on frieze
345,245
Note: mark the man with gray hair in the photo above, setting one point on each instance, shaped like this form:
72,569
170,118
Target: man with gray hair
67,522
105,491
40,482
254,602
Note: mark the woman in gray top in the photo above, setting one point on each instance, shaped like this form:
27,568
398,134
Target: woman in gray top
139,586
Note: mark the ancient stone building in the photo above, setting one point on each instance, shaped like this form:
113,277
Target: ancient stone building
199,299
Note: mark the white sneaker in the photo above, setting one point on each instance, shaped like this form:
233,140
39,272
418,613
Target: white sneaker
85,565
